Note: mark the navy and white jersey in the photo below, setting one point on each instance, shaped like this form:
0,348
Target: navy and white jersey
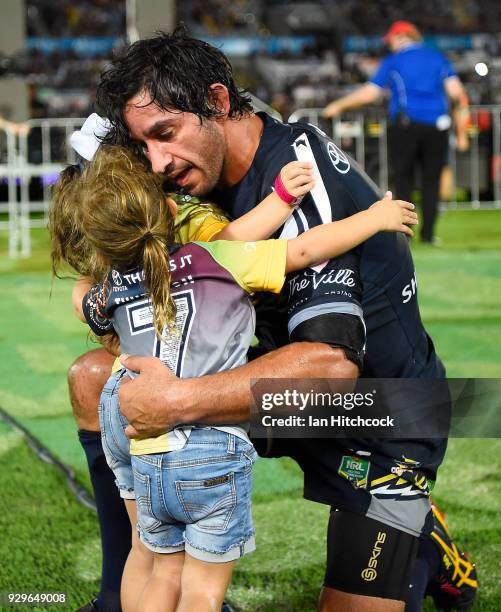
375,282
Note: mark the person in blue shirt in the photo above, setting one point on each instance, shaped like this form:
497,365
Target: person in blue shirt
421,82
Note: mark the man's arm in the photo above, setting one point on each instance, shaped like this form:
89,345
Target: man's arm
157,400
366,94
460,111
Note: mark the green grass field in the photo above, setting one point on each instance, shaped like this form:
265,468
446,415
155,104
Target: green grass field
50,542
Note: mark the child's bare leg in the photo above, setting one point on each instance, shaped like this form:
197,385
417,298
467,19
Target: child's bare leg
161,592
204,585
138,567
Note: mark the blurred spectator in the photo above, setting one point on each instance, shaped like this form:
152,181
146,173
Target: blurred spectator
19,129
419,80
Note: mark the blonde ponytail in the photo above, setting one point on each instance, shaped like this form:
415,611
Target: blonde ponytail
157,279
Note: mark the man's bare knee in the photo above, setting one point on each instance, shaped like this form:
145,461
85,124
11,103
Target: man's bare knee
86,379
332,600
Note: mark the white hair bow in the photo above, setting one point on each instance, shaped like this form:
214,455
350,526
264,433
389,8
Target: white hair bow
86,141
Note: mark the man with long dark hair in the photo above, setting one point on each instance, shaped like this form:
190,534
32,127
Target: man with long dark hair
173,99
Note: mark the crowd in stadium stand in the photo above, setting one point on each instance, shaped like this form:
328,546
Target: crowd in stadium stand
63,72
69,19
358,16
218,17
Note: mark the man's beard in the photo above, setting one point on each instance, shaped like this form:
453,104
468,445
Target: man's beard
212,171
215,155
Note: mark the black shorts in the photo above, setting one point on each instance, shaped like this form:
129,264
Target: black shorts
377,487
366,557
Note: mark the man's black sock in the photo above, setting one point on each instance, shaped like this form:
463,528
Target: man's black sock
426,567
113,521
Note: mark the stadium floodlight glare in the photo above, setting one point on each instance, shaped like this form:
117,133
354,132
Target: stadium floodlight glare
481,69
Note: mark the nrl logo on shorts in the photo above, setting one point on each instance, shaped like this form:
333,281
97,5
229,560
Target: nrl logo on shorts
117,279
354,469
338,158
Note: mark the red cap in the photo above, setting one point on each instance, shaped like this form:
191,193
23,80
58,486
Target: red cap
400,27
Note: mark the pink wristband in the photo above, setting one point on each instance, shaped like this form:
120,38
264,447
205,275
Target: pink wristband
282,192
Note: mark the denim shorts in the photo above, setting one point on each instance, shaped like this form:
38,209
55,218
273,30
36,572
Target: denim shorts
197,498
116,444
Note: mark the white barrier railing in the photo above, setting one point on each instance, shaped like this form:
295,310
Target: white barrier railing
32,163
477,171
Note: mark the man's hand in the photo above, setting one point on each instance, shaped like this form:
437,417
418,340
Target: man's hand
365,94
157,401
462,142
146,400
332,110
19,129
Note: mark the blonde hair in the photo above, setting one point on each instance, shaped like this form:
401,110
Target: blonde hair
126,219
416,36
68,242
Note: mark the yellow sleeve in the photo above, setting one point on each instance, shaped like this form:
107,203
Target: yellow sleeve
255,266
197,221
208,229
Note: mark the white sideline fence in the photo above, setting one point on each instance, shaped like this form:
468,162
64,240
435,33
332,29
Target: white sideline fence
32,162
41,154
476,171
